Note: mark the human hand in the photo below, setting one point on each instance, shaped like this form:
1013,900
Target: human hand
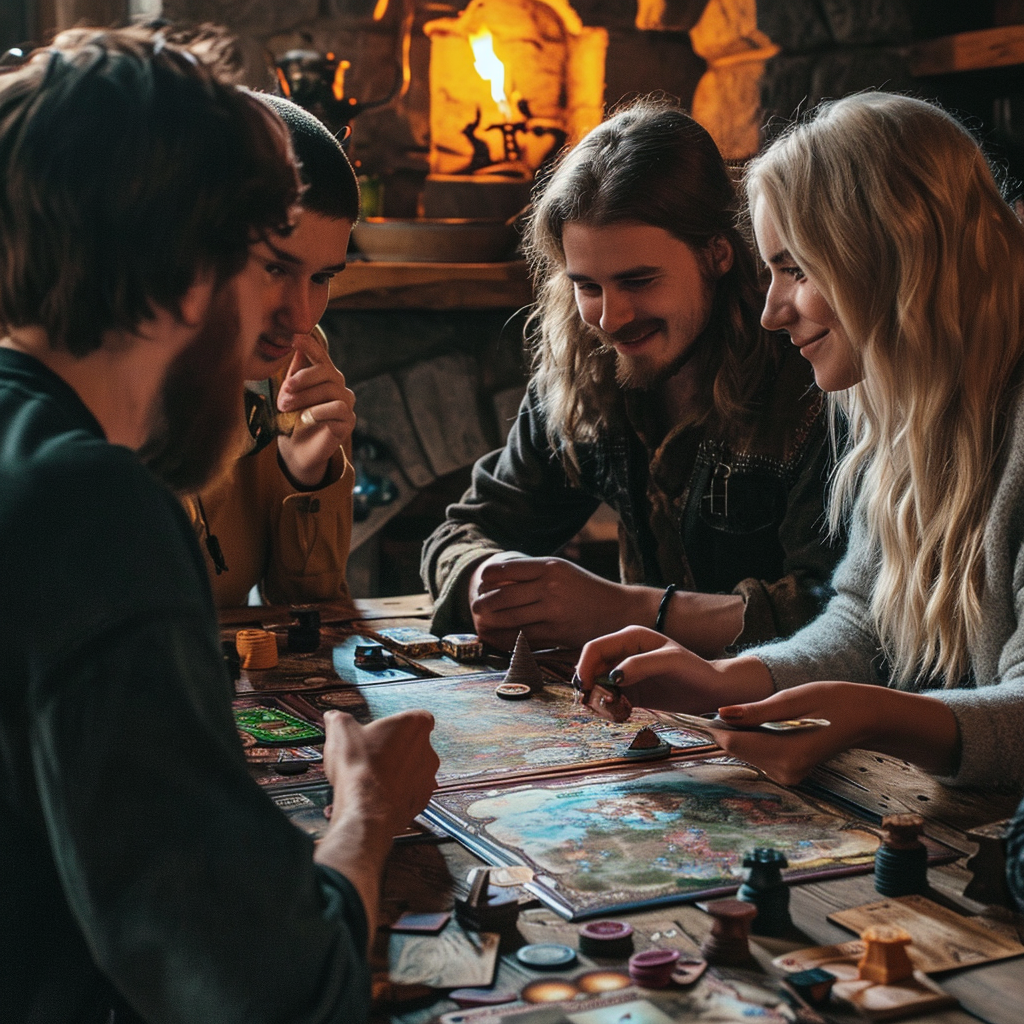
555,603
382,773
658,672
850,708
314,389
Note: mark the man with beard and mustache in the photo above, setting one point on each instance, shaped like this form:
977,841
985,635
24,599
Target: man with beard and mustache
655,391
145,875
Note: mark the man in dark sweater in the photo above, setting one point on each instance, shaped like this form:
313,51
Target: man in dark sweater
143,874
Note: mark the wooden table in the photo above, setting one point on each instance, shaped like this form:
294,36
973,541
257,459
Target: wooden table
429,872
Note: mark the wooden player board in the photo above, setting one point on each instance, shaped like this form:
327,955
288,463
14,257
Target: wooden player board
619,840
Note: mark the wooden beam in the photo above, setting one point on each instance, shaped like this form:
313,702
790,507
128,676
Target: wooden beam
369,285
968,51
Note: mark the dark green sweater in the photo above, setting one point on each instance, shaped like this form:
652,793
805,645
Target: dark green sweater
138,860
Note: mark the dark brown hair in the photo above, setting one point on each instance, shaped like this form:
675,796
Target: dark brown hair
126,169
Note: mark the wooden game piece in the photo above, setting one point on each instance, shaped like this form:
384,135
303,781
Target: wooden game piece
647,745
653,968
767,891
901,863
523,668
727,944
462,646
411,641
885,958
813,986
257,648
606,938
372,656
304,635
513,691
486,908
688,969
988,865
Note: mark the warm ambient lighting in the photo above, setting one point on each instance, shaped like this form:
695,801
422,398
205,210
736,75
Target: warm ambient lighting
490,69
380,9
338,86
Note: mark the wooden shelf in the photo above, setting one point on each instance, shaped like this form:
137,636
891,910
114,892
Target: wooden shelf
366,285
969,51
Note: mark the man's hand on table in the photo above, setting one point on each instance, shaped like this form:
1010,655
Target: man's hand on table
383,774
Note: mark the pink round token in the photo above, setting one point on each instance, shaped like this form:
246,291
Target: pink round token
653,967
606,930
465,998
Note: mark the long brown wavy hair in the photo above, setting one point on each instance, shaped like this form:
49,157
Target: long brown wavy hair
649,163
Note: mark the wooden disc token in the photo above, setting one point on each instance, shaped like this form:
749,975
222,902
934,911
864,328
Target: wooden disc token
551,990
257,648
513,691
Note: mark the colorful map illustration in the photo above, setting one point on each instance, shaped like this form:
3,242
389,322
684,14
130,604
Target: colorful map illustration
479,736
654,834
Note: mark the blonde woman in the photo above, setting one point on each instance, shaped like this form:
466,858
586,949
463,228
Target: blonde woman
896,270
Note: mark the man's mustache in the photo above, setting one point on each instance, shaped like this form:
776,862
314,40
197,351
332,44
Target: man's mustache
631,332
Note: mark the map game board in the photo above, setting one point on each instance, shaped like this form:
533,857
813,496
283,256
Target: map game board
480,737
661,833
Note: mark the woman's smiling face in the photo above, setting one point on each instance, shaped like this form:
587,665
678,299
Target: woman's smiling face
795,305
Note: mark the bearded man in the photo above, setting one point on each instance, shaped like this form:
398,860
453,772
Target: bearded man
145,875
656,391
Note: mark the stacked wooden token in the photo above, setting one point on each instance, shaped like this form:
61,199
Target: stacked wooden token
653,968
606,938
257,648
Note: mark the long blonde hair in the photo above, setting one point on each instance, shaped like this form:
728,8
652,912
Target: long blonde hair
889,205
649,163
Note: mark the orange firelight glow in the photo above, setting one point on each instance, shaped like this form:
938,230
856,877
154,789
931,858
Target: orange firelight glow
338,86
489,68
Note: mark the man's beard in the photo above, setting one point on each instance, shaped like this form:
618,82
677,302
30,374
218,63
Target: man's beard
641,372
201,402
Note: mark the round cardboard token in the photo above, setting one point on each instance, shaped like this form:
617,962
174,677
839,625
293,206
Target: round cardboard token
546,956
554,990
513,691
606,930
602,981
654,958
466,998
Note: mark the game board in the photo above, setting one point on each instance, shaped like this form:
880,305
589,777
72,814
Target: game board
480,737
653,834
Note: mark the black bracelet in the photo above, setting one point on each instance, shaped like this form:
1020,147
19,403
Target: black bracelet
659,622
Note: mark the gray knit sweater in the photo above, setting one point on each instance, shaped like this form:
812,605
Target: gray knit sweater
842,644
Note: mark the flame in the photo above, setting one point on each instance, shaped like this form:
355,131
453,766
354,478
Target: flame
380,9
338,87
489,68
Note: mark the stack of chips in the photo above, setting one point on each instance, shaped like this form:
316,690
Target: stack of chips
901,863
653,968
257,648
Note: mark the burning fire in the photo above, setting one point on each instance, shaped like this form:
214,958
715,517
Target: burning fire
490,69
